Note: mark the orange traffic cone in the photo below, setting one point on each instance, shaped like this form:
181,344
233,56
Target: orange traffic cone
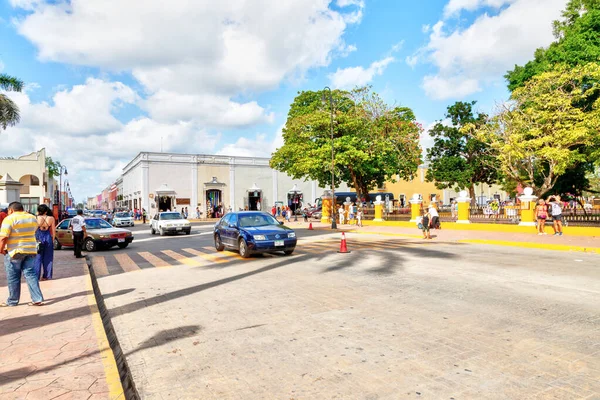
343,247
310,228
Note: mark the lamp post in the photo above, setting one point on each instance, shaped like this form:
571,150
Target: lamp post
333,202
62,170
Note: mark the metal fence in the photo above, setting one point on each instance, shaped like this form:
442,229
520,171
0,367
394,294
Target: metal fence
502,215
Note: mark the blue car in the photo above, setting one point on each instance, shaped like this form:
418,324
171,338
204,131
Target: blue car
253,232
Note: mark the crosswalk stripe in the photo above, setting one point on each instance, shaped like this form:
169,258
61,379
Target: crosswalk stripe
209,257
190,262
152,259
100,267
127,263
224,254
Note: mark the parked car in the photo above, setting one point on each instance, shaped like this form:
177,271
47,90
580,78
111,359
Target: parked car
169,222
253,232
317,215
100,234
122,219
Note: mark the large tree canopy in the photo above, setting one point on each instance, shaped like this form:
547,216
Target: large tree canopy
373,142
9,111
547,127
578,43
457,159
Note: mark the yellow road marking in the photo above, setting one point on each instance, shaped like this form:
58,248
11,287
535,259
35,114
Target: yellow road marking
100,268
529,245
115,389
209,257
155,261
127,263
223,254
190,262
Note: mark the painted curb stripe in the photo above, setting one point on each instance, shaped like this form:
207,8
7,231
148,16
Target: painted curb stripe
115,389
542,246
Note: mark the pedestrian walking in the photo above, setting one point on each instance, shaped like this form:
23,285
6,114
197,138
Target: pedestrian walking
288,214
305,214
79,231
274,211
341,214
541,214
17,244
359,213
557,217
44,235
435,217
426,225
144,216
197,212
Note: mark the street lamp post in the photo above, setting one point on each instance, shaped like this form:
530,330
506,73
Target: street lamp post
333,202
62,170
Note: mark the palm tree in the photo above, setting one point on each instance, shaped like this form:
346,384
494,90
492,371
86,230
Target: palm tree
9,111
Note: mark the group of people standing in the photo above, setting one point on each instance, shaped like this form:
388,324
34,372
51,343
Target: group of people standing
354,212
546,209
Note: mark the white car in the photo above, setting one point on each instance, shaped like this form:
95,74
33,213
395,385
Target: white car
122,219
169,222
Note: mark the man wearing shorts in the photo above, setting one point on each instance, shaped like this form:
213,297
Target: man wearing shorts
556,215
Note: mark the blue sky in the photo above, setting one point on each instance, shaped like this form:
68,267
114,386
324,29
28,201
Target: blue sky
107,79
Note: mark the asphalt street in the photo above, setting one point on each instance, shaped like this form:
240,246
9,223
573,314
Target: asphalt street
395,318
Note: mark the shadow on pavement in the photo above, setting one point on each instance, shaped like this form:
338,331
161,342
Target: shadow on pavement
160,338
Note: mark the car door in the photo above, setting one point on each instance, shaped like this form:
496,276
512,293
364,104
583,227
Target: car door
155,222
232,230
223,230
64,234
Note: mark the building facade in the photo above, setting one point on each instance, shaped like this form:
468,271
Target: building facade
158,181
30,171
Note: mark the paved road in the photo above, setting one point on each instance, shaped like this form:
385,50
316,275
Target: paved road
396,318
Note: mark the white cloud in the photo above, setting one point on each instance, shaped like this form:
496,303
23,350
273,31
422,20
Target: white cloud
412,61
347,78
440,88
454,7
210,110
425,28
260,146
346,3
480,54
85,109
223,47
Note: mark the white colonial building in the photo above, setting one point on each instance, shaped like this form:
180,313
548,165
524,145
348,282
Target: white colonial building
158,181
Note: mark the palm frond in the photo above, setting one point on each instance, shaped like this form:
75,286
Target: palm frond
9,112
11,83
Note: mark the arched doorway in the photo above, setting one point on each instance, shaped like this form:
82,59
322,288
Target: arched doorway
27,181
214,198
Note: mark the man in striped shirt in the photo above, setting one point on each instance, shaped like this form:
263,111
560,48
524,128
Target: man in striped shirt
18,245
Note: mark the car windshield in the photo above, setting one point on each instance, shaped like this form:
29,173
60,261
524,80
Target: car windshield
249,220
122,215
97,224
169,216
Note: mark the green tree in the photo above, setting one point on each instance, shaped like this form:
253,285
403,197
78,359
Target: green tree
9,111
53,167
546,128
373,142
578,43
457,159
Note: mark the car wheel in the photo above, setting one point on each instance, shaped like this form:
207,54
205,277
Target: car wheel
123,245
188,232
218,244
57,245
152,231
89,245
288,252
244,251
161,232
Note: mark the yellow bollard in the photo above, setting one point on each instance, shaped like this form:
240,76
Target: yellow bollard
326,209
464,203
378,211
415,207
527,213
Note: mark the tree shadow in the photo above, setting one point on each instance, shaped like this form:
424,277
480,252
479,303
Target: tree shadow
158,339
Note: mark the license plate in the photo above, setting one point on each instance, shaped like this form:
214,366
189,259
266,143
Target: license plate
179,229
121,240
279,243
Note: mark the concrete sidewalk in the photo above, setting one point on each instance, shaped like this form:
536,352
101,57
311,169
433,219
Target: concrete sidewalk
59,350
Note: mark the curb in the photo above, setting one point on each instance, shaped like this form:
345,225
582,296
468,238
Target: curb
129,391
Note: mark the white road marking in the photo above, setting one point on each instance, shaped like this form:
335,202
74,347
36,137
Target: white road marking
170,237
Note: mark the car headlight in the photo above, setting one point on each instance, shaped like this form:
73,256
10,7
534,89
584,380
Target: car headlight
260,237
292,234
187,223
169,225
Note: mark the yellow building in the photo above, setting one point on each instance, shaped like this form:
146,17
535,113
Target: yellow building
404,190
